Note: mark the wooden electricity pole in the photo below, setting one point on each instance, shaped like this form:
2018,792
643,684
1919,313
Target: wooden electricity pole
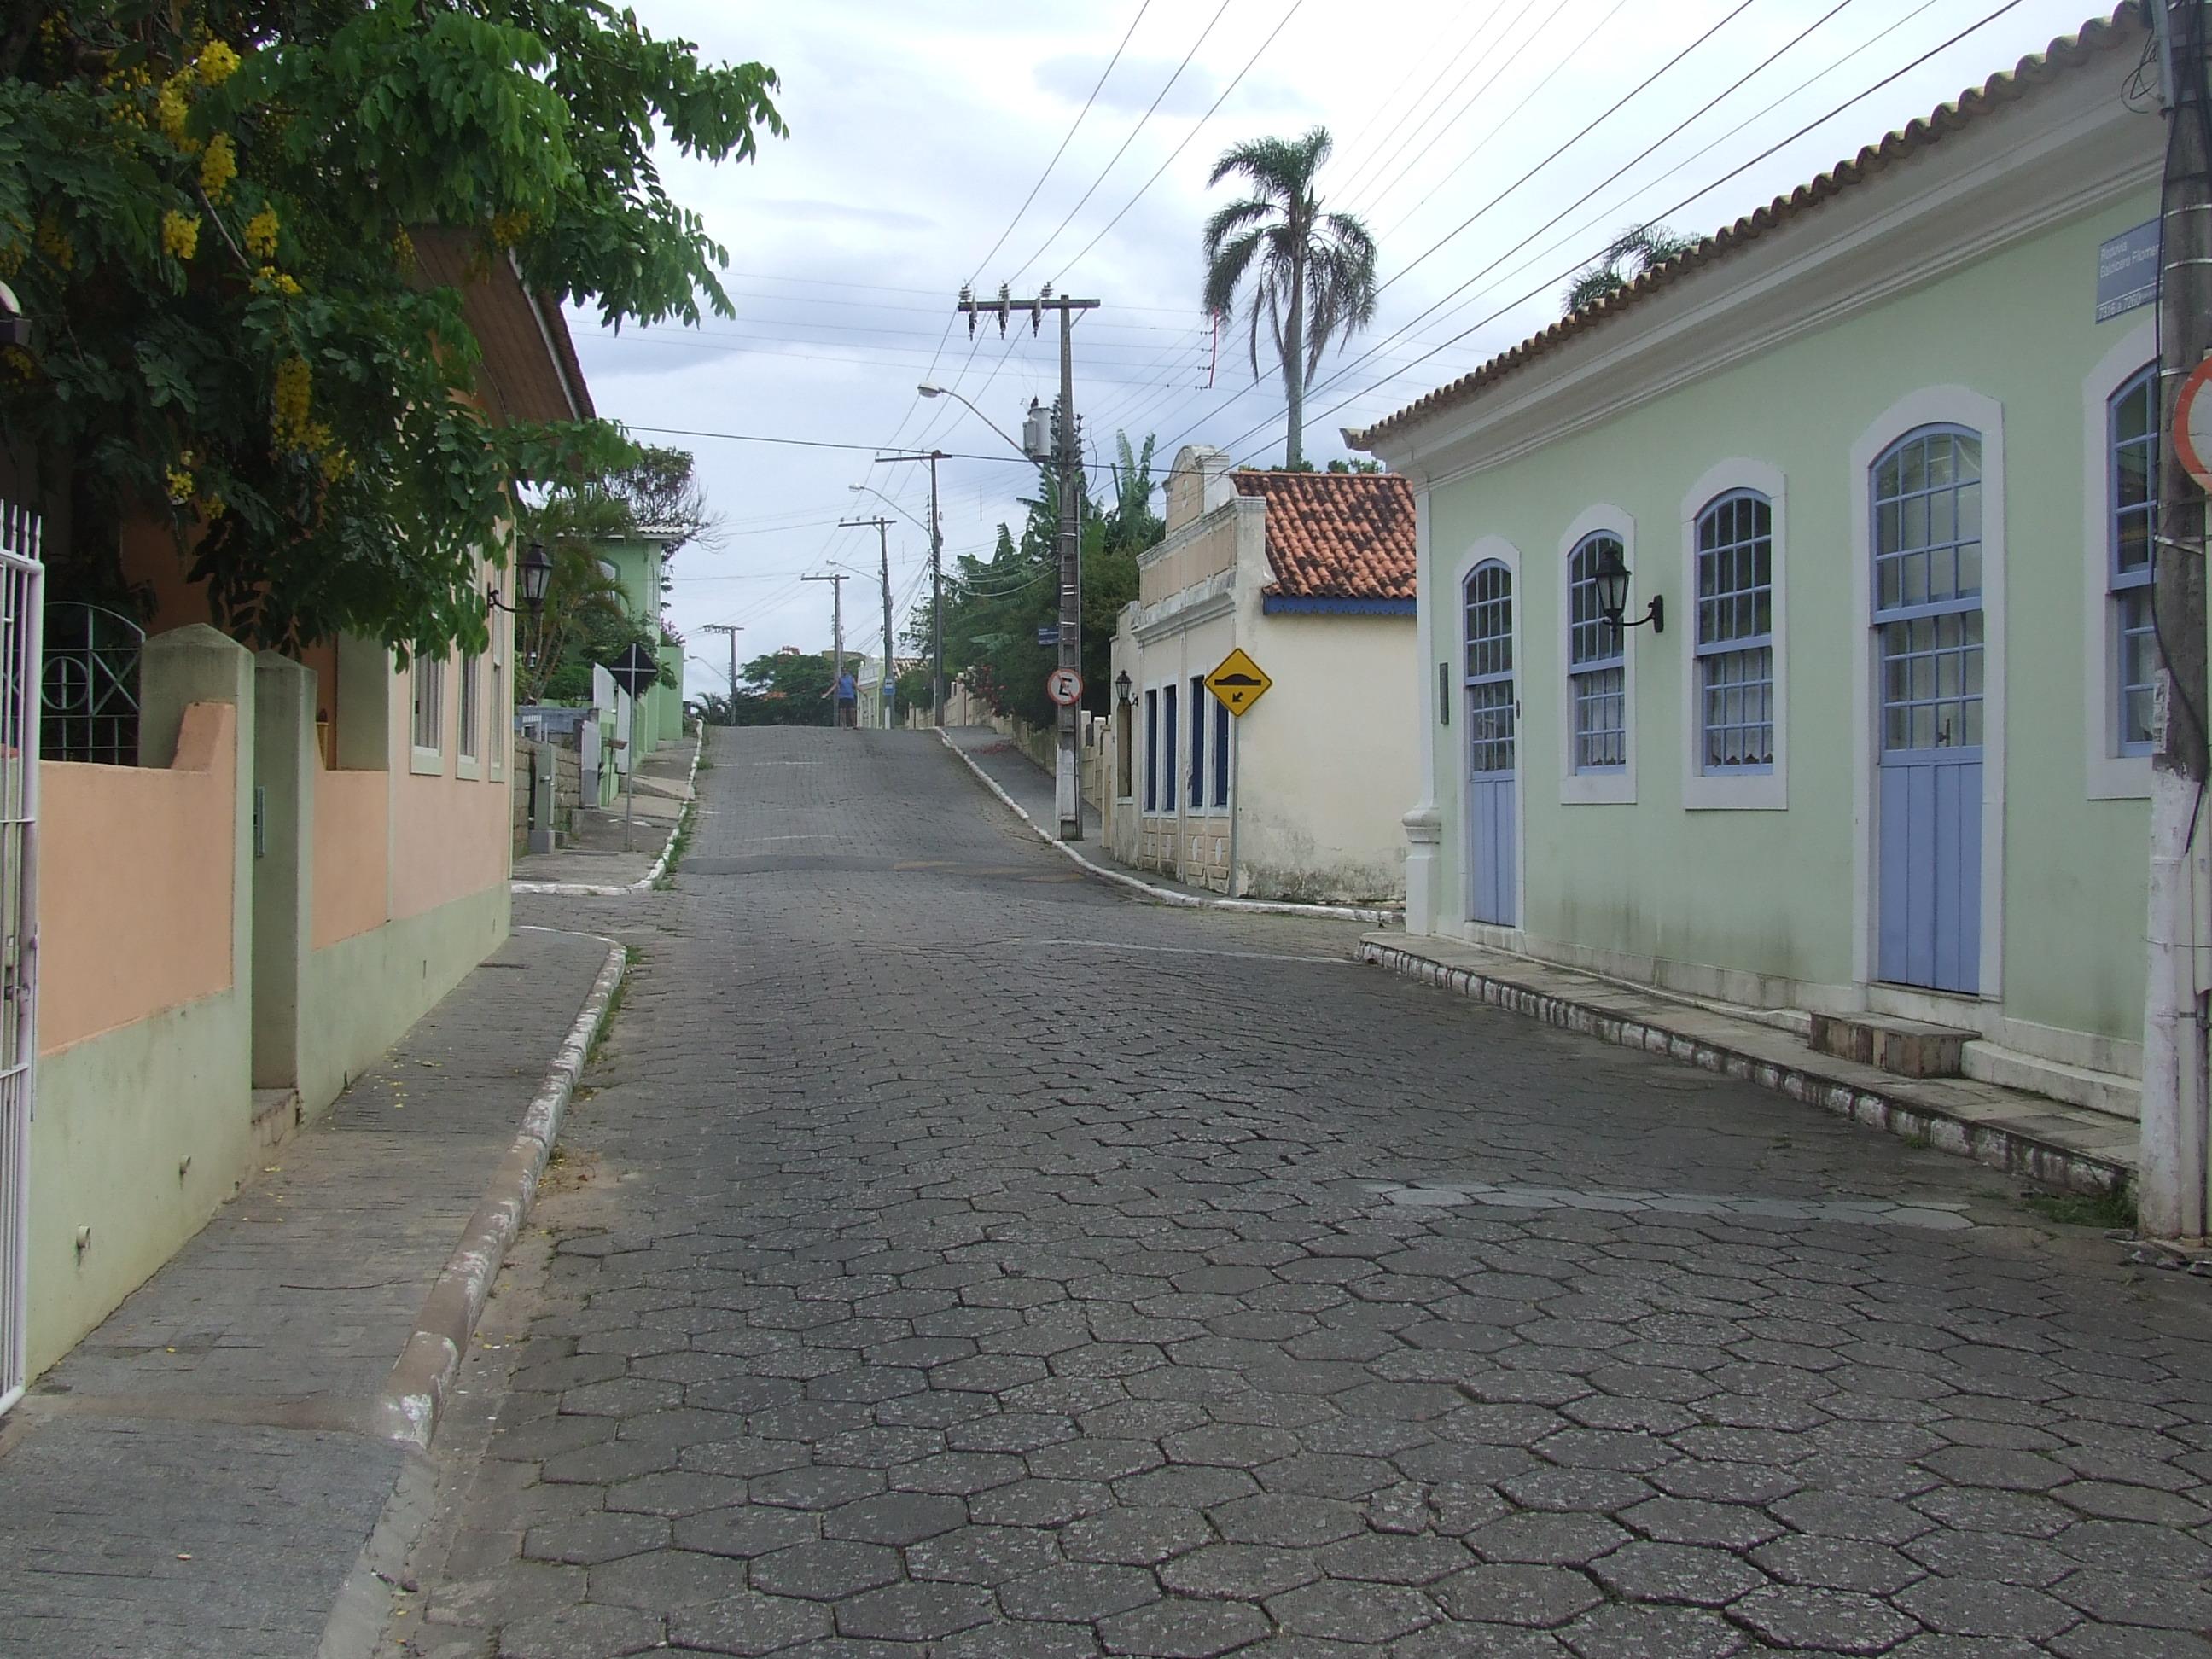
883,553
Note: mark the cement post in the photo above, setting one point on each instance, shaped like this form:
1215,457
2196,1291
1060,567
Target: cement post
284,866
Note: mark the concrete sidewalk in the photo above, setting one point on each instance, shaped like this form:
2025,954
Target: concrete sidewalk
200,1475
595,858
1028,788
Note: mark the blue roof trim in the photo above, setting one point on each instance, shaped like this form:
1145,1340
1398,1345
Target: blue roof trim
1291,604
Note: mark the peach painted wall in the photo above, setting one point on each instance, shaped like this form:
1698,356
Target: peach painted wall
452,839
352,852
134,882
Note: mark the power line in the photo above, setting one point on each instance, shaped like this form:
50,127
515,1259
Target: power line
1064,144
1179,149
1126,143
821,443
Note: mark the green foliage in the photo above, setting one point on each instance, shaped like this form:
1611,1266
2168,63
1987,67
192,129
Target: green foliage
1312,271
209,207
993,607
785,688
2114,1211
1629,256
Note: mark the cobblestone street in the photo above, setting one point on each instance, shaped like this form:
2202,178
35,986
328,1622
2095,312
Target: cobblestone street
950,1256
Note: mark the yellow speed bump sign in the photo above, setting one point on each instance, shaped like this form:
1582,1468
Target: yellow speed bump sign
1238,683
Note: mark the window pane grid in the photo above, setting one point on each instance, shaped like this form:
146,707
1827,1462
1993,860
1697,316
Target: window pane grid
1600,720
1198,698
2132,421
1927,584
1220,753
1932,682
430,686
1490,726
2138,667
1736,632
1596,657
1489,623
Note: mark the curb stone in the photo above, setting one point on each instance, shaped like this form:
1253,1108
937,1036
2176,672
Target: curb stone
1375,918
644,883
414,1393
1985,1143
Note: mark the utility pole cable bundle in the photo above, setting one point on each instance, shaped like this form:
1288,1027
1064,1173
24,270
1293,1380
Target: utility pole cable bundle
1067,776
836,631
733,629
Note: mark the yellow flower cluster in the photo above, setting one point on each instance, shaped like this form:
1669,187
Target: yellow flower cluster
21,363
284,281
180,234
211,505
261,234
218,167
402,248
173,106
217,64
338,465
55,243
180,485
288,420
508,228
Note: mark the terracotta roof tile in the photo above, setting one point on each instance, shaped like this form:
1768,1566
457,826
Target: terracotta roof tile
2100,35
1336,535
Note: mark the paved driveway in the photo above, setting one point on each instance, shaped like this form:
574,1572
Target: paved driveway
974,1261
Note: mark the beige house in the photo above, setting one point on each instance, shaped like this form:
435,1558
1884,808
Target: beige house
1311,573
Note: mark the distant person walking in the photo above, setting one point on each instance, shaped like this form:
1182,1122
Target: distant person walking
848,700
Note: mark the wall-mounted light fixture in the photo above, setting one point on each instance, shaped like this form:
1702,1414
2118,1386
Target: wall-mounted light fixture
1612,576
1124,693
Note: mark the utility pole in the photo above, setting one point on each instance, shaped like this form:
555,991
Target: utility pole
936,583
1067,778
883,553
2177,1096
733,629
836,633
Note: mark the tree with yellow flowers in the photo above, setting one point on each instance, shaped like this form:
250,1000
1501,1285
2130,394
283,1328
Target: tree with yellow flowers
205,209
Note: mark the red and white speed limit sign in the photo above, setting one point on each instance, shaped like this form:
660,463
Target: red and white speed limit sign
1064,686
2193,424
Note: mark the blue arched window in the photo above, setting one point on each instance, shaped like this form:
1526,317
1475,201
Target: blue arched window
1927,589
1596,662
2131,439
1735,634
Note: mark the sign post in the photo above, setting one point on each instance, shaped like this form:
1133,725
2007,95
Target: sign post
636,670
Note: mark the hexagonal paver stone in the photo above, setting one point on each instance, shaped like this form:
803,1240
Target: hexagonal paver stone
1240,1572
1844,1564
960,1473
744,1530
914,1613
1136,1538
815,1488
749,1625
982,1555
1833,1621
674,1492
1536,1538
1960,1607
1566,1489
1023,1639
1386,1559
2128,1598
666,1578
585,1632
825,1570
1079,1592
2110,1501
1840,1514
1642,1571
894,1517
1181,1629
1287,1520
1341,1612
1638,1632
1694,1521
1510,1593
585,1541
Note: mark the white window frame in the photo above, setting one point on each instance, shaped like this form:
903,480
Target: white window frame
468,712
497,710
1486,551
426,684
1610,785
1936,405
2110,774
1727,791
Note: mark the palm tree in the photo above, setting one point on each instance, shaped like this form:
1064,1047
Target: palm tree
1644,247
1316,277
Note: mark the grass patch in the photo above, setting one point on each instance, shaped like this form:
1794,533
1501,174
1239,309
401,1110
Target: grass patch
676,844
631,957
2112,1212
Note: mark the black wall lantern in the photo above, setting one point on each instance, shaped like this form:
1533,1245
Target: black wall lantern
537,578
1124,693
1612,577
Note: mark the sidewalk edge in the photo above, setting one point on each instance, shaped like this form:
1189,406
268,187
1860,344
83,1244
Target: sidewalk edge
414,1394
643,884
1378,918
1991,1144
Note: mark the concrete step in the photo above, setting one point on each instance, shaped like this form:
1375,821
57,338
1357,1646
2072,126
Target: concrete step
1903,1048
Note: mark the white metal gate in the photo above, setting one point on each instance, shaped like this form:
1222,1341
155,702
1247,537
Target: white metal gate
21,579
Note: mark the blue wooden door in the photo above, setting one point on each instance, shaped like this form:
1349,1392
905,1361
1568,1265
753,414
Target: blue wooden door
1927,529
1492,812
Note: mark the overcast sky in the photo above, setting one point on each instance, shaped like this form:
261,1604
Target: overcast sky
918,129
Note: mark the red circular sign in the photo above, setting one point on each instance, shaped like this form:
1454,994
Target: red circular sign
1064,686
2193,424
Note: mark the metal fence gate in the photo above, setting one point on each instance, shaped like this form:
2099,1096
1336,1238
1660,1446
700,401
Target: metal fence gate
20,580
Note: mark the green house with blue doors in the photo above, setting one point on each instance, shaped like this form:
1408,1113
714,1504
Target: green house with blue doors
640,563
1882,454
